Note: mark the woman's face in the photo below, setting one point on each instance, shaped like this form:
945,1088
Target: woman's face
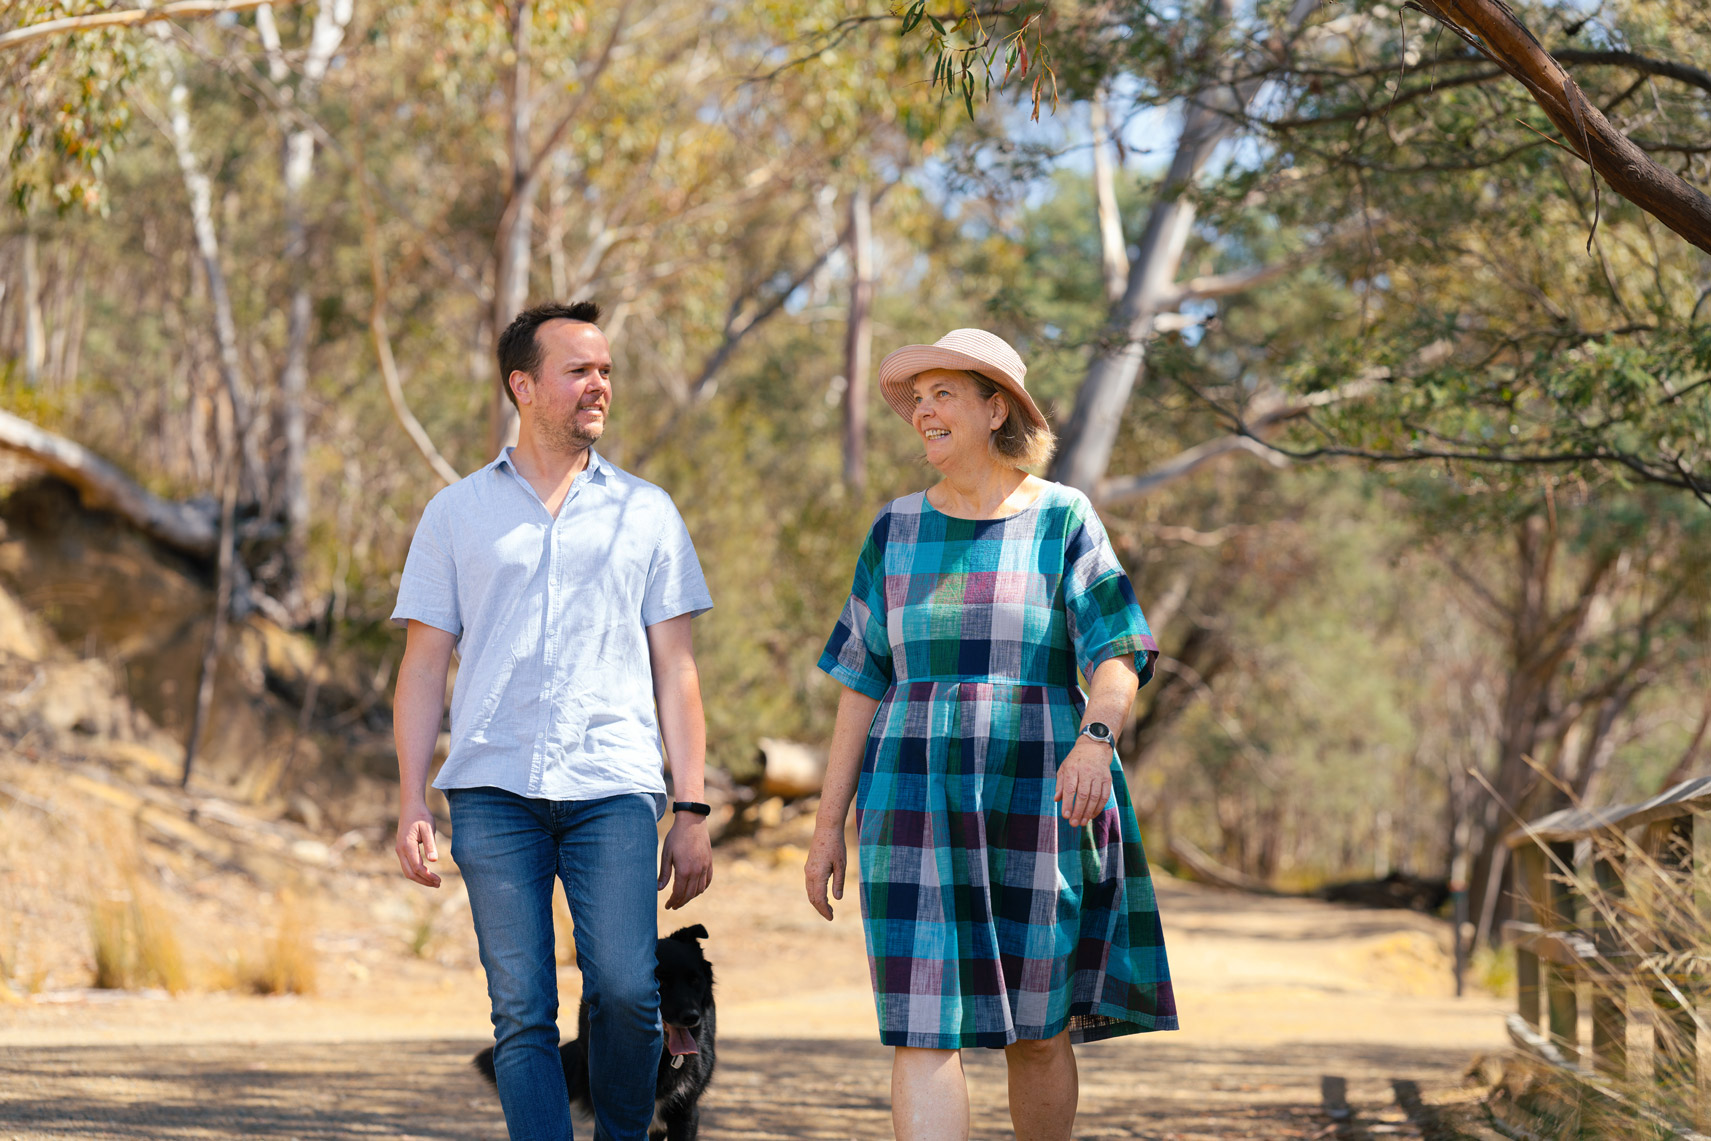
954,421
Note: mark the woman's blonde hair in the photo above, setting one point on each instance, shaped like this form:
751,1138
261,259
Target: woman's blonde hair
1018,439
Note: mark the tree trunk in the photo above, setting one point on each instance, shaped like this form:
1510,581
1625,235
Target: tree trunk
35,332
298,162
1113,250
1084,453
201,194
1534,719
858,340
215,644
513,244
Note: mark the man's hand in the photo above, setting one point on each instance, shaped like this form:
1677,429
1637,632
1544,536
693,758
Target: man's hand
415,845
687,855
1084,782
827,858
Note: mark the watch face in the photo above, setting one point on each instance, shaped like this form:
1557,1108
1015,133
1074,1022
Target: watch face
1098,730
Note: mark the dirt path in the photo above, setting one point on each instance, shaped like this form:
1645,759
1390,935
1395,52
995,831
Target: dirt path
1275,994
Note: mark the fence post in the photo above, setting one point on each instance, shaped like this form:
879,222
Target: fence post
1557,981
1528,897
1675,1037
1609,994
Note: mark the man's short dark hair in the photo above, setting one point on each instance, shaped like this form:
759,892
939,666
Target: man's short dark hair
520,351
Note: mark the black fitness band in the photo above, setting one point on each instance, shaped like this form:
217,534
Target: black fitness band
694,806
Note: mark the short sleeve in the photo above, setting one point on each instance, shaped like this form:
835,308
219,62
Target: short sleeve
1105,619
427,590
858,653
675,582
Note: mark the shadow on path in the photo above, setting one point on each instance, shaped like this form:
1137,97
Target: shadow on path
1144,1087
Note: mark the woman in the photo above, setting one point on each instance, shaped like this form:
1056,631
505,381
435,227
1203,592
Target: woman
1004,892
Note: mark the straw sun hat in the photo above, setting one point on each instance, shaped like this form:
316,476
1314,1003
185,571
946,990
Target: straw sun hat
971,350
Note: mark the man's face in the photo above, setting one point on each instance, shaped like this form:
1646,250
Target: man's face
568,397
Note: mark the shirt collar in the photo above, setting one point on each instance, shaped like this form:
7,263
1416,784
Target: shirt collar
597,470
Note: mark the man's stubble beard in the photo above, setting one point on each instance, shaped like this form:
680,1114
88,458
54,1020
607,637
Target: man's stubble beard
563,435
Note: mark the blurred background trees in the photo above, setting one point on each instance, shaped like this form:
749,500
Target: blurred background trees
1402,424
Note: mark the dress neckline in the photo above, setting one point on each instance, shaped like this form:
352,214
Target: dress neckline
1038,499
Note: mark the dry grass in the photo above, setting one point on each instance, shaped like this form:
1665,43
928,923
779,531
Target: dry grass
287,964
135,944
1649,917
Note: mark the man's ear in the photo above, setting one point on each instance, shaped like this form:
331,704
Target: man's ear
521,385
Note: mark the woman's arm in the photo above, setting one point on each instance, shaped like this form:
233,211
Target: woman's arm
827,857
1084,778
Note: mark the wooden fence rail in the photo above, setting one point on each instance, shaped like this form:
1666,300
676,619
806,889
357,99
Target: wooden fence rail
1612,944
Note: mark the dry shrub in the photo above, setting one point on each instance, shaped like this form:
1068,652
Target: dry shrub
287,963
135,944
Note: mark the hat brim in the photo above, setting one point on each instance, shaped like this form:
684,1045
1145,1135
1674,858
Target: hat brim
901,367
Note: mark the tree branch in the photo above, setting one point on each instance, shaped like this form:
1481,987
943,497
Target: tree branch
1126,488
1645,65
1492,28
383,347
1269,410
127,17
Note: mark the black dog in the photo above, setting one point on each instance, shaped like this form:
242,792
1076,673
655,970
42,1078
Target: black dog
685,1065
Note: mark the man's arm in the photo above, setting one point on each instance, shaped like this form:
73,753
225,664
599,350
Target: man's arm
688,851
416,708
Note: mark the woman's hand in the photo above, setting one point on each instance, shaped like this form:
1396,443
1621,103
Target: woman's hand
1084,782
827,858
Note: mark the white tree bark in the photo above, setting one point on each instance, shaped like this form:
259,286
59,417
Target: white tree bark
514,243
858,338
1091,433
201,194
513,246
123,17
1113,251
35,330
331,20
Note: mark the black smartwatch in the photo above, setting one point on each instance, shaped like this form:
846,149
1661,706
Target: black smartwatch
694,806
1098,730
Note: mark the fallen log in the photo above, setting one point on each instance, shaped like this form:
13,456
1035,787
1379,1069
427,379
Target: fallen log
103,487
1207,870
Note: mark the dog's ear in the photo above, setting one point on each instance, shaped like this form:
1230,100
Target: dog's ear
694,933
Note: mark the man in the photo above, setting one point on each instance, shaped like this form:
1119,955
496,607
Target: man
567,586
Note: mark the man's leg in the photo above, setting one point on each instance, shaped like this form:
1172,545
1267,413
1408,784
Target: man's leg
607,857
503,845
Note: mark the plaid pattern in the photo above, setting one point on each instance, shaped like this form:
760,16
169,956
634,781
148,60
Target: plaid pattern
988,918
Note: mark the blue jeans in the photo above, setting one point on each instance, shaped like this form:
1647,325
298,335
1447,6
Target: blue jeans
509,848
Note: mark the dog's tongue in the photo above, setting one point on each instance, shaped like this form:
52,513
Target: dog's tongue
679,1040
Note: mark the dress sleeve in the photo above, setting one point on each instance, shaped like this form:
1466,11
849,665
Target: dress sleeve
1105,620
858,653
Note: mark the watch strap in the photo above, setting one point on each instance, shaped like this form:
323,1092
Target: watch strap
694,806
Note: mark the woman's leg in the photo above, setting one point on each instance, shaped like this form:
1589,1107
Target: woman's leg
1044,1088
929,1097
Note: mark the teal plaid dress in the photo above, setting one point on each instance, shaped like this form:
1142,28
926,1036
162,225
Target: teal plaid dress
988,918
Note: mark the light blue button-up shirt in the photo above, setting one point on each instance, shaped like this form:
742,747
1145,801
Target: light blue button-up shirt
554,693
